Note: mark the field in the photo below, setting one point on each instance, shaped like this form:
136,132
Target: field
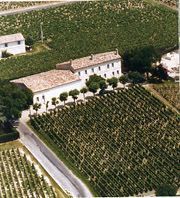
171,92
84,28
123,144
22,176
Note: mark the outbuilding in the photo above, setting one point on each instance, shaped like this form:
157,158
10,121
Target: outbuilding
13,44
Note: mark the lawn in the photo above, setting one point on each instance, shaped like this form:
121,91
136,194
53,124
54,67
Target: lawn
80,29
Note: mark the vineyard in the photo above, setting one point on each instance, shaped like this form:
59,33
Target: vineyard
20,176
16,5
172,3
80,29
123,143
171,92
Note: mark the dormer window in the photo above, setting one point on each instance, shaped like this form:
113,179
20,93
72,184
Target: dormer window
19,42
6,45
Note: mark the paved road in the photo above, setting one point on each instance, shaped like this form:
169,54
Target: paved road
37,7
56,168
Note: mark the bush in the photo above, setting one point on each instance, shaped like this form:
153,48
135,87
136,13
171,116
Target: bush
136,77
166,190
9,137
6,54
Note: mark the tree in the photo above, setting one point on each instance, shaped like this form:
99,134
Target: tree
94,79
166,190
141,60
123,79
113,82
160,72
47,105
54,101
136,77
14,100
93,87
63,97
36,107
84,90
29,41
74,94
102,86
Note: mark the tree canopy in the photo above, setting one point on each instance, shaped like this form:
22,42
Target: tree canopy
13,100
166,190
141,60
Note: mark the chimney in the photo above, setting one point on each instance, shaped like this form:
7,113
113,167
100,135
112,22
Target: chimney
92,56
116,53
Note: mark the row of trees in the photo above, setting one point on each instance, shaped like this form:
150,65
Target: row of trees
94,84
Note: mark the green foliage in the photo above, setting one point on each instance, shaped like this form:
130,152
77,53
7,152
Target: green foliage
141,59
94,79
9,137
74,93
14,100
123,79
166,190
55,101
6,54
63,97
36,107
74,31
93,87
113,82
160,72
136,77
29,41
123,143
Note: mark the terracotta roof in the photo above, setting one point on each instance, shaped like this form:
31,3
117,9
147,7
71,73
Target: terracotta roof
91,60
47,80
11,38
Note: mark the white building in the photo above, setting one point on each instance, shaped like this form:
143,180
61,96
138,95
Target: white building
14,44
71,75
170,61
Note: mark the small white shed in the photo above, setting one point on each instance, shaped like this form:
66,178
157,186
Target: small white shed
14,44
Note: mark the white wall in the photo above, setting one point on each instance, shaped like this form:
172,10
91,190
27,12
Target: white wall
112,71
13,48
56,91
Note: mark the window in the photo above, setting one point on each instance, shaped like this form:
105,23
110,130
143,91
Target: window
85,71
113,73
92,69
37,99
112,64
19,42
117,71
79,73
6,45
105,75
86,80
99,68
108,66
